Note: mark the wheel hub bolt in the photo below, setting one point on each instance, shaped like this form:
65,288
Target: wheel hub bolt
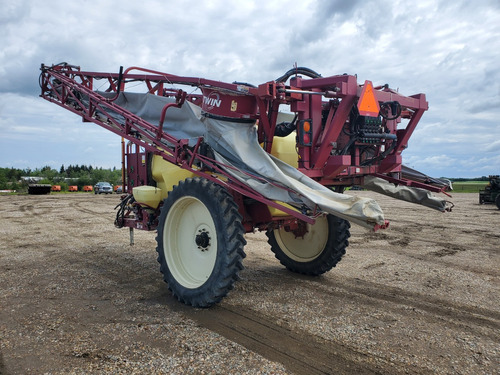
202,240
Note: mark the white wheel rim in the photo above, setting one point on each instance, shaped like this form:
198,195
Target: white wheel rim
304,249
190,263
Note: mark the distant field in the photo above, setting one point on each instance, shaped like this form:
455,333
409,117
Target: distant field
469,186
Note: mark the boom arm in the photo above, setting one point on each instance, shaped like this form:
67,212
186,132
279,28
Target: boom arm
72,89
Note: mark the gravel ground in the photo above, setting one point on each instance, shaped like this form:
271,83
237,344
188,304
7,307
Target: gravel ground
418,298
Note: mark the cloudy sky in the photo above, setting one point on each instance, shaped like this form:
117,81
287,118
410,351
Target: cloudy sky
448,50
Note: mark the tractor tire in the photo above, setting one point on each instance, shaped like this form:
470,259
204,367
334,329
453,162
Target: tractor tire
317,252
200,242
497,201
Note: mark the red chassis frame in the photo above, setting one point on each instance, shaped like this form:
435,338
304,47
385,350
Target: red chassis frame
327,103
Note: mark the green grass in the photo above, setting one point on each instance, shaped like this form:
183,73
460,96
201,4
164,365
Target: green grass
469,186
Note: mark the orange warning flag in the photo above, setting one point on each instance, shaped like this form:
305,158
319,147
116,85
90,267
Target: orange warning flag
367,103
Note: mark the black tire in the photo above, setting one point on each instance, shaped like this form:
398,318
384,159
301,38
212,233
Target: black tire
497,201
481,199
317,252
200,242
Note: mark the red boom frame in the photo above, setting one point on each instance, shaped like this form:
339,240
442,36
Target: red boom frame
328,103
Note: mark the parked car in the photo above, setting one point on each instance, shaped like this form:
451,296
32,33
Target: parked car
103,188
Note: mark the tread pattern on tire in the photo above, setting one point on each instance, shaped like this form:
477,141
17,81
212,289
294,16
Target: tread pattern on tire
230,235
333,252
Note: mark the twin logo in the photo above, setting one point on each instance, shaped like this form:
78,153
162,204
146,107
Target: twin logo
212,100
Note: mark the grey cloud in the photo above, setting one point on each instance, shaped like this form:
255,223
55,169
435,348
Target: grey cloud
327,10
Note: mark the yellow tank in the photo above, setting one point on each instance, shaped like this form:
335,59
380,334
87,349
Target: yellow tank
284,149
276,212
148,196
167,175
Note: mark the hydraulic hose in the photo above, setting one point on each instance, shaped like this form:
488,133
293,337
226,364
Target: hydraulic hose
285,128
119,86
394,107
299,70
381,156
120,215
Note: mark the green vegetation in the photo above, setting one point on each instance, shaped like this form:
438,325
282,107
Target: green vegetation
13,179
469,186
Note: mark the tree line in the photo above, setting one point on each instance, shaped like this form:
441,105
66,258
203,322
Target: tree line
79,175
459,179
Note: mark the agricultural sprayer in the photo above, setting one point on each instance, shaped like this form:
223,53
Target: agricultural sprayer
208,161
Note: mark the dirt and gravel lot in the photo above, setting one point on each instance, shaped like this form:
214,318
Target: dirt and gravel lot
421,297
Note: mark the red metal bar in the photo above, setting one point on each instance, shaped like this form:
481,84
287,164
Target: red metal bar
332,132
180,98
